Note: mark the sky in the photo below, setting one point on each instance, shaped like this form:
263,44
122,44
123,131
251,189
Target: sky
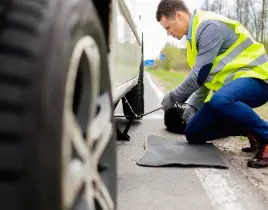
155,36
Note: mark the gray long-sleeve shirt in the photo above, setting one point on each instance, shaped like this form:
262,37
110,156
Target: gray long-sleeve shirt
212,38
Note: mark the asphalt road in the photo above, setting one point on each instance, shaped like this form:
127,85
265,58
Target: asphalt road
174,188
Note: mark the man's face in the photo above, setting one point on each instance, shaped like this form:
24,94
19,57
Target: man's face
175,26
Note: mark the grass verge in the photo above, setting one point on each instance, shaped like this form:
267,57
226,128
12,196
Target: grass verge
169,80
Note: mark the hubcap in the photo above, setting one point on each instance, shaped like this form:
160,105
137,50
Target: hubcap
87,130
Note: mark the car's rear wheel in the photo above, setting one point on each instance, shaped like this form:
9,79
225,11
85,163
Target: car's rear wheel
135,97
57,144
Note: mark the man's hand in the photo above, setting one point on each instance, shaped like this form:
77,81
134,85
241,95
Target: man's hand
167,102
188,113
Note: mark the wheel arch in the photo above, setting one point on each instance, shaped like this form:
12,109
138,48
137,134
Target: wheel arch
104,10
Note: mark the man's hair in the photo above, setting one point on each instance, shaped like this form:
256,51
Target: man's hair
168,8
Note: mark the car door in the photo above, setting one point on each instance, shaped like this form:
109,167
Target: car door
126,42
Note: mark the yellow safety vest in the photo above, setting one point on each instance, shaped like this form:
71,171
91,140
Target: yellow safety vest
245,58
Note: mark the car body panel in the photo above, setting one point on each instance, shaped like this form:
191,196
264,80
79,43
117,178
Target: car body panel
125,44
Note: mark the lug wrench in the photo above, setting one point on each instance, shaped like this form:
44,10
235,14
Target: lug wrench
138,116
151,111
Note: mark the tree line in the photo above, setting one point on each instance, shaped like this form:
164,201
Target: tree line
253,14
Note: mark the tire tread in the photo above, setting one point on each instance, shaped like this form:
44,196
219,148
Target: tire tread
19,35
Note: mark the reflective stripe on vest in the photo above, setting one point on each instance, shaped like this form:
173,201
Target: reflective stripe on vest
245,58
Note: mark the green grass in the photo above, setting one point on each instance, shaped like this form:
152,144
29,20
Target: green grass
169,80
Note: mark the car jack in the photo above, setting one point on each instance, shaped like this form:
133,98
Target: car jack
123,136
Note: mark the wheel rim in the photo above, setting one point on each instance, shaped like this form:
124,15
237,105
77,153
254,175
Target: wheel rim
87,130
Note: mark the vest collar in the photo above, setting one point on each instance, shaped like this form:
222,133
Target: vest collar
189,35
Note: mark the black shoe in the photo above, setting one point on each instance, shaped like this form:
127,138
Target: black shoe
261,158
253,145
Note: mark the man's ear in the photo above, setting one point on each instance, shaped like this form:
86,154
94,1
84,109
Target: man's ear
178,14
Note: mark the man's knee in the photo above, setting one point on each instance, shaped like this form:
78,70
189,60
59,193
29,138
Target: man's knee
193,135
190,136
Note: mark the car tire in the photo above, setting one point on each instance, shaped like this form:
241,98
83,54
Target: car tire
57,144
135,97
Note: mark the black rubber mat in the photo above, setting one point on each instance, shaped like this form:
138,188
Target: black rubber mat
167,151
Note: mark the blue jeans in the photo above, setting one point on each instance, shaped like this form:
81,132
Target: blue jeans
230,113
